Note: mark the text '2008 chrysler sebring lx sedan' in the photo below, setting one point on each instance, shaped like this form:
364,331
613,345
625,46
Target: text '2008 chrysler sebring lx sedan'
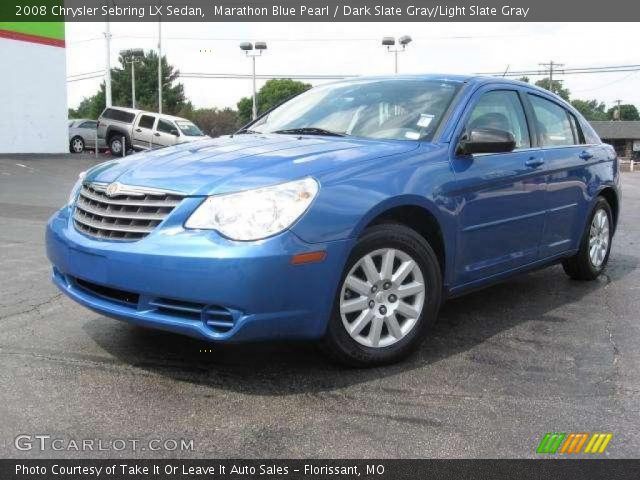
345,215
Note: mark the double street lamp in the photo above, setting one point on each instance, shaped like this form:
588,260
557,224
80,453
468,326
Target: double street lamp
132,56
391,41
253,50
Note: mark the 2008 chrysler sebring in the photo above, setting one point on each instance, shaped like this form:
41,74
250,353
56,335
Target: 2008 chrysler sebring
345,215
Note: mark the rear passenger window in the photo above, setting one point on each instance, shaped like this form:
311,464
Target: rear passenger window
502,110
552,123
146,121
118,115
577,131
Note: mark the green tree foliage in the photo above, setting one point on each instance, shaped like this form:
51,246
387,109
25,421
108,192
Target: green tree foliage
557,87
271,94
215,122
627,112
590,109
174,101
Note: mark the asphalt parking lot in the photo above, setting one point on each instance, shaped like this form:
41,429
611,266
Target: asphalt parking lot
539,353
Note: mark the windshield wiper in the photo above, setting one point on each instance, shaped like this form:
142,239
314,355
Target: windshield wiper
309,131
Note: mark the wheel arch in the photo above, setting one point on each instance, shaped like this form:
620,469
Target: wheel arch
416,213
611,196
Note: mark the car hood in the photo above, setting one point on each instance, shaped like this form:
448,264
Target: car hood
241,162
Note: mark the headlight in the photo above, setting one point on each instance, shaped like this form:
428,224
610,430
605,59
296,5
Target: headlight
76,188
255,214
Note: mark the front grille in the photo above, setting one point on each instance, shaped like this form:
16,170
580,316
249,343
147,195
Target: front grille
129,214
108,293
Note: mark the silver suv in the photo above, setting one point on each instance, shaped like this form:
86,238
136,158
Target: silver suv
142,130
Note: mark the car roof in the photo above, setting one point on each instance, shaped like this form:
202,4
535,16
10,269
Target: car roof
445,77
161,115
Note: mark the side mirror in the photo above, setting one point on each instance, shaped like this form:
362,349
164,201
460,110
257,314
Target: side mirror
486,140
174,131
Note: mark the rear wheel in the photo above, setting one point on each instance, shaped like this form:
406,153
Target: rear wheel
389,294
76,145
116,146
595,247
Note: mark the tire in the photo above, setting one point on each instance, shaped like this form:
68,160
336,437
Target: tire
76,144
116,146
396,339
582,265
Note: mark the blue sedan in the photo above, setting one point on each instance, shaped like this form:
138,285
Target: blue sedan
346,215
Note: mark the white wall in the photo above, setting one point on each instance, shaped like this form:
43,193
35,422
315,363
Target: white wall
33,98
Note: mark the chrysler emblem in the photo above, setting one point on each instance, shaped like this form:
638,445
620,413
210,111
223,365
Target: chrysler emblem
113,189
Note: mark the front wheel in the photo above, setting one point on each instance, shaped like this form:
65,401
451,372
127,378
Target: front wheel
595,247
389,295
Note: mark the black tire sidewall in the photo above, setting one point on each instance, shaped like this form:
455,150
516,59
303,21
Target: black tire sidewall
73,150
407,240
112,141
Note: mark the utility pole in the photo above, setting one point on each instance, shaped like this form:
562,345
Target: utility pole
159,66
616,115
107,89
550,66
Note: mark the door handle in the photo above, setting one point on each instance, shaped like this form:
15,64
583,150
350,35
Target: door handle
138,129
585,155
157,134
534,162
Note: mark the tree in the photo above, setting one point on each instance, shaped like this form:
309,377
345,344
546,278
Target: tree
557,87
272,93
590,109
173,98
215,122
524,79
627,112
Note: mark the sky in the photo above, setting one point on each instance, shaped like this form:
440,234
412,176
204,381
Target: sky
355,49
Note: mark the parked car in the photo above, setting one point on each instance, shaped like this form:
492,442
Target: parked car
82,135
141,130
346,215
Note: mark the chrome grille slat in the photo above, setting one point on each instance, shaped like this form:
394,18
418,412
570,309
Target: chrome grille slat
131,214
132,201
108,212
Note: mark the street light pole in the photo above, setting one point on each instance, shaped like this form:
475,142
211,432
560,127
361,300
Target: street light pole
107,86
133,85
159,67
254,110
390,42
249,50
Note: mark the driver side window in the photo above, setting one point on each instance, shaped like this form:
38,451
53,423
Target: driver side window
501,110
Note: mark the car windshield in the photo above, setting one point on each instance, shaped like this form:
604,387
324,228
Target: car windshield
189,129
399,109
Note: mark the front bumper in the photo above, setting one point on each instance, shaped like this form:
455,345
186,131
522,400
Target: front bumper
198,283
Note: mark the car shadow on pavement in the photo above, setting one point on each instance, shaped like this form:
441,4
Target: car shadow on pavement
292,368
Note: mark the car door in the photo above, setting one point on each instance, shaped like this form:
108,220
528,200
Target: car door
500,196
142,137
567,157
166,133
88,131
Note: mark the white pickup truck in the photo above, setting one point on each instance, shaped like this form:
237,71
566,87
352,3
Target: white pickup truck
142,130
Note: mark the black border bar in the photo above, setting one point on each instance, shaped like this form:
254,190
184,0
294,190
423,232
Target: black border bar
582,469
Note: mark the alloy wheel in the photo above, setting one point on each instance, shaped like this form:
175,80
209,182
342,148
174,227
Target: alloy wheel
77,145
382,297
599,238
116,147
